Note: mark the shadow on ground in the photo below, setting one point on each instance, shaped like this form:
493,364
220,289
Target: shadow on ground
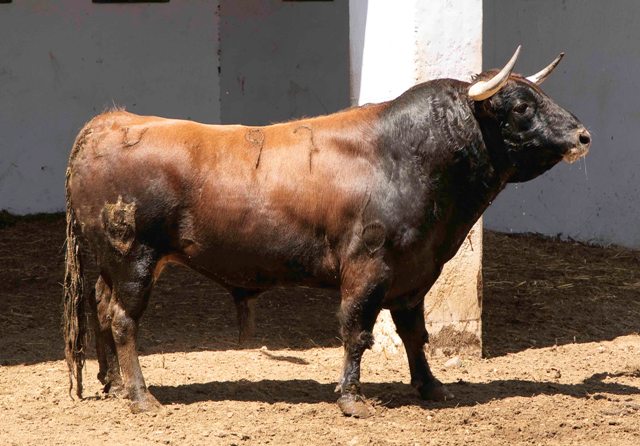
392,395
538,292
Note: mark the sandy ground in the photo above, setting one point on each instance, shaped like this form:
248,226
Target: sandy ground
562,359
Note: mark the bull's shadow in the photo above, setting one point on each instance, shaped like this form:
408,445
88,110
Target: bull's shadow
395,394
538,292
193,312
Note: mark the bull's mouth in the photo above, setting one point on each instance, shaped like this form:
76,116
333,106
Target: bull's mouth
574,154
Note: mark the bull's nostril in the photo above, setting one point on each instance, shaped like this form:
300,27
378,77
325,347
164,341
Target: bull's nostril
584,137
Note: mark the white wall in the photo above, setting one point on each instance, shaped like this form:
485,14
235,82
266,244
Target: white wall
396,45
599,199
63,61
383,49
449,39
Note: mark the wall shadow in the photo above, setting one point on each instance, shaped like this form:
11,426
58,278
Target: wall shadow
538,292
541,291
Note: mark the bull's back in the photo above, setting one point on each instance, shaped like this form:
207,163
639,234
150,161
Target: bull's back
245,203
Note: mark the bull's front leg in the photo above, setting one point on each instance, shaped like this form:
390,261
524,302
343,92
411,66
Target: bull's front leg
362,291
410,325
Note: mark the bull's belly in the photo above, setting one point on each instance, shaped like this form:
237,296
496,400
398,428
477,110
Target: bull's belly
246,269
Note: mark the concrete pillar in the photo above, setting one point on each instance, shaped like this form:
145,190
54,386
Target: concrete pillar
393,46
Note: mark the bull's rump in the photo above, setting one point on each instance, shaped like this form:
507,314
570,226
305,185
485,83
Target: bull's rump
248,205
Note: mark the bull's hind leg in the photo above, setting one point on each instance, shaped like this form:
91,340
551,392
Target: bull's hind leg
109,374
410,325
362,292
131,280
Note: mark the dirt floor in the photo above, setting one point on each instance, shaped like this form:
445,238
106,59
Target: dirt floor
562,364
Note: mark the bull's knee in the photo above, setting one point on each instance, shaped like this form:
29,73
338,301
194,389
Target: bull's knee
359,342
123,327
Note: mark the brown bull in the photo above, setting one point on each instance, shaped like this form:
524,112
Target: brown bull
371,201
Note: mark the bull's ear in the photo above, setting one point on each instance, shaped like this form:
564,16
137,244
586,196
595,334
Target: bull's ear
481,90
541,75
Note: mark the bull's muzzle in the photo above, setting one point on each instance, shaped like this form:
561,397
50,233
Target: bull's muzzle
583,141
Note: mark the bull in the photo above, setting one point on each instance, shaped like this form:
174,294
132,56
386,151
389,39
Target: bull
371,201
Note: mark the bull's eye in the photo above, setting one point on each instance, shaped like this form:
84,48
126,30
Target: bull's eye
521,108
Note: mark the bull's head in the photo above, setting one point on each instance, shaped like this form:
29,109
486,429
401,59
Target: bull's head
535,132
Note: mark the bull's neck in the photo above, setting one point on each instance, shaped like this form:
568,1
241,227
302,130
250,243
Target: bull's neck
434,132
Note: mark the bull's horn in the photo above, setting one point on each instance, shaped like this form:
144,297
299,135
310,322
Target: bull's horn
485,89
541,75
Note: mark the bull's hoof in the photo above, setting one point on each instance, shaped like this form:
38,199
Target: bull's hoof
115,389
435,391
145,403
353,405
112,382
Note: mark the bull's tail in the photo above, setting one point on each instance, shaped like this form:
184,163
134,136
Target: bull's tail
75,315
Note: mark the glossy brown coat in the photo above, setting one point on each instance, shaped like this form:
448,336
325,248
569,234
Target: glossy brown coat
371,201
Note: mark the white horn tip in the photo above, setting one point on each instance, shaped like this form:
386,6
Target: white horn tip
541,75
